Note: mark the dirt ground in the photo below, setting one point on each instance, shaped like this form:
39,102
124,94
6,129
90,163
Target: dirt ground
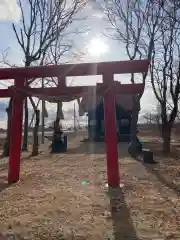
65,196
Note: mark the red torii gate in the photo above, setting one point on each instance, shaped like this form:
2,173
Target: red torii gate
108,88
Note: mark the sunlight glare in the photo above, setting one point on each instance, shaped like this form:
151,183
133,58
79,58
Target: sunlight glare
97,47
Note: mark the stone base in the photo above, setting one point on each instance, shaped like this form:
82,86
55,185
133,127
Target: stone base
115,199
148,156
121,185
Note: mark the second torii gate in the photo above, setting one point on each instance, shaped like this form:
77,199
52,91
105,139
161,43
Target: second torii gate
108,89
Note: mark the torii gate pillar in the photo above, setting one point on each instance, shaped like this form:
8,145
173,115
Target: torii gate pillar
16,133
111,134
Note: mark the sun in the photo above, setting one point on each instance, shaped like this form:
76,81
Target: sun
97,47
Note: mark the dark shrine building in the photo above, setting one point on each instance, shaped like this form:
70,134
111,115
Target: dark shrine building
96,129
94,107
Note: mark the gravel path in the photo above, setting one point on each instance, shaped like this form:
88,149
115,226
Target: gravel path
64,197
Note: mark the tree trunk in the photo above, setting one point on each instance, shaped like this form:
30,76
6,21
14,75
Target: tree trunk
166,136
8,133
135,113
56,126
35,134
58,114
26,117
42,122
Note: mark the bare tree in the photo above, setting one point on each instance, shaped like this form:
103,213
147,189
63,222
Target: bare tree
58,49
135,24
8,133
165,72
154,118
42,22
62,46
148,117
35,148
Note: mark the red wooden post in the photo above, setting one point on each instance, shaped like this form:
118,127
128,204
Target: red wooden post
111,135
61,82
16,134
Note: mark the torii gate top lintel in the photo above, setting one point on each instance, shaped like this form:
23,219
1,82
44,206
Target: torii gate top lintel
80,69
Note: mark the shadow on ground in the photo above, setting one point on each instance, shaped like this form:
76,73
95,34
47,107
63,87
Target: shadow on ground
155,145
166,162
153,169
3,183
97,148
4,161
122,223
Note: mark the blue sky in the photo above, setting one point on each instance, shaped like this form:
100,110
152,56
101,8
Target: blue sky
9,12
